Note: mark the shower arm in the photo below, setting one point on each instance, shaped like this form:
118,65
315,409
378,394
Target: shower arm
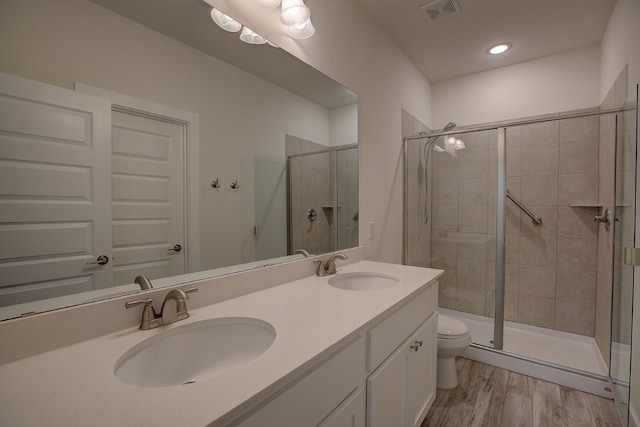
524,209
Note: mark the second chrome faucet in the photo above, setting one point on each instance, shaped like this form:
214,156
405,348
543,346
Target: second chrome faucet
150,319
329,267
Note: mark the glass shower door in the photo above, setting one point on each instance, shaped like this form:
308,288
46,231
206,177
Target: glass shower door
450,222
623,273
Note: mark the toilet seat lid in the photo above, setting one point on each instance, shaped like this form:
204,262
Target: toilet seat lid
448,327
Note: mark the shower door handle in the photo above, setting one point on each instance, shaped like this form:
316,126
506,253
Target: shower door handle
632,256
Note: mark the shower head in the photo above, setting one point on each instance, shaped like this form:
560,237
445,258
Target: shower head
449,126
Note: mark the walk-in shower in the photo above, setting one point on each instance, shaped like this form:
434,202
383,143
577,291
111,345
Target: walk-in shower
510,220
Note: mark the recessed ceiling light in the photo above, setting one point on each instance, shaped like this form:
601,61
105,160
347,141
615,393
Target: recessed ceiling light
498,49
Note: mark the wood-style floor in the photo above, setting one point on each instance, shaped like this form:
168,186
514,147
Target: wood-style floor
493,397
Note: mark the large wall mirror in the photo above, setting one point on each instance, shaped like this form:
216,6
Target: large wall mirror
212,156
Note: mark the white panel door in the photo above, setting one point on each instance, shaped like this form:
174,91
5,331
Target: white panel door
148,197
54,191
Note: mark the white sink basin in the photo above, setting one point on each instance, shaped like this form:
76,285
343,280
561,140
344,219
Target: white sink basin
194,352
363,281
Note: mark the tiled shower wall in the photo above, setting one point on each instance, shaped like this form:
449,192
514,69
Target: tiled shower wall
310,188
348,213
552,167
312,184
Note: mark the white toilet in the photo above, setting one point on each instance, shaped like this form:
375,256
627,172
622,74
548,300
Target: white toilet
453,340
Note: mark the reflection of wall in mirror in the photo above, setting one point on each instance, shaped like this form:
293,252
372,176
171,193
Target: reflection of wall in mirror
89,44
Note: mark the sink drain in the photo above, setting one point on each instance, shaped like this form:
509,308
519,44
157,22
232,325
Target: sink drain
189,382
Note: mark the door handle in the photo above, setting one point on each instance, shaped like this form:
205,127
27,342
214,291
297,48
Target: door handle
176,248
101,260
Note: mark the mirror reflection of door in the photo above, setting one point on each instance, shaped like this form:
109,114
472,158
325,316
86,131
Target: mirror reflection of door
54,195
148,197
57,201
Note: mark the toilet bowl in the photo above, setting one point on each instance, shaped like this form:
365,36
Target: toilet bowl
453,340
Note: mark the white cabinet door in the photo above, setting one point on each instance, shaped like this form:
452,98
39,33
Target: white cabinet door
386,391
401,391
421,371
350,413
55,192
314,398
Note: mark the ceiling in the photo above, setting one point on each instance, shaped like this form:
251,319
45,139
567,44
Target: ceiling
452,47
456,45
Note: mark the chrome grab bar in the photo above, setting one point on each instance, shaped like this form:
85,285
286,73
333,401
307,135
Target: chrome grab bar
524,209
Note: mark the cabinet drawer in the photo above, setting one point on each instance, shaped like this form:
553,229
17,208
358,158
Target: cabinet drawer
313,397
386,336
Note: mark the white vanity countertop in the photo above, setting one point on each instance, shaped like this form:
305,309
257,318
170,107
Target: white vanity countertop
75,385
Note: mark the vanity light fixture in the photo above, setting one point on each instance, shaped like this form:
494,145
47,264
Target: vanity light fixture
294,12
301,31
251,37
295,15
499,48
225,22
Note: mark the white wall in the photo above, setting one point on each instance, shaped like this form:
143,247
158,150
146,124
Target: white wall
344,125
66,41
621,45
350,48
563,82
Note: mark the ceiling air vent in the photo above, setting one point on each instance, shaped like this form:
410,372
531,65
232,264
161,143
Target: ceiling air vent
441,9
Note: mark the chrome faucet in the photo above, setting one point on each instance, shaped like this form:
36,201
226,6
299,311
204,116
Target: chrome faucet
329,267
150,319
180,297
143,282
304,253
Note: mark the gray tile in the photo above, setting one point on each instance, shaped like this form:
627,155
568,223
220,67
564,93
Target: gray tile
472,219
474,164
575,316
540,133
577,254
540,190
444,192
471,274
549,226
444,218
471,300
536,311
472,246
473,192
578,157
577,222
576,285
538,251
580,129
540,159
578,188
